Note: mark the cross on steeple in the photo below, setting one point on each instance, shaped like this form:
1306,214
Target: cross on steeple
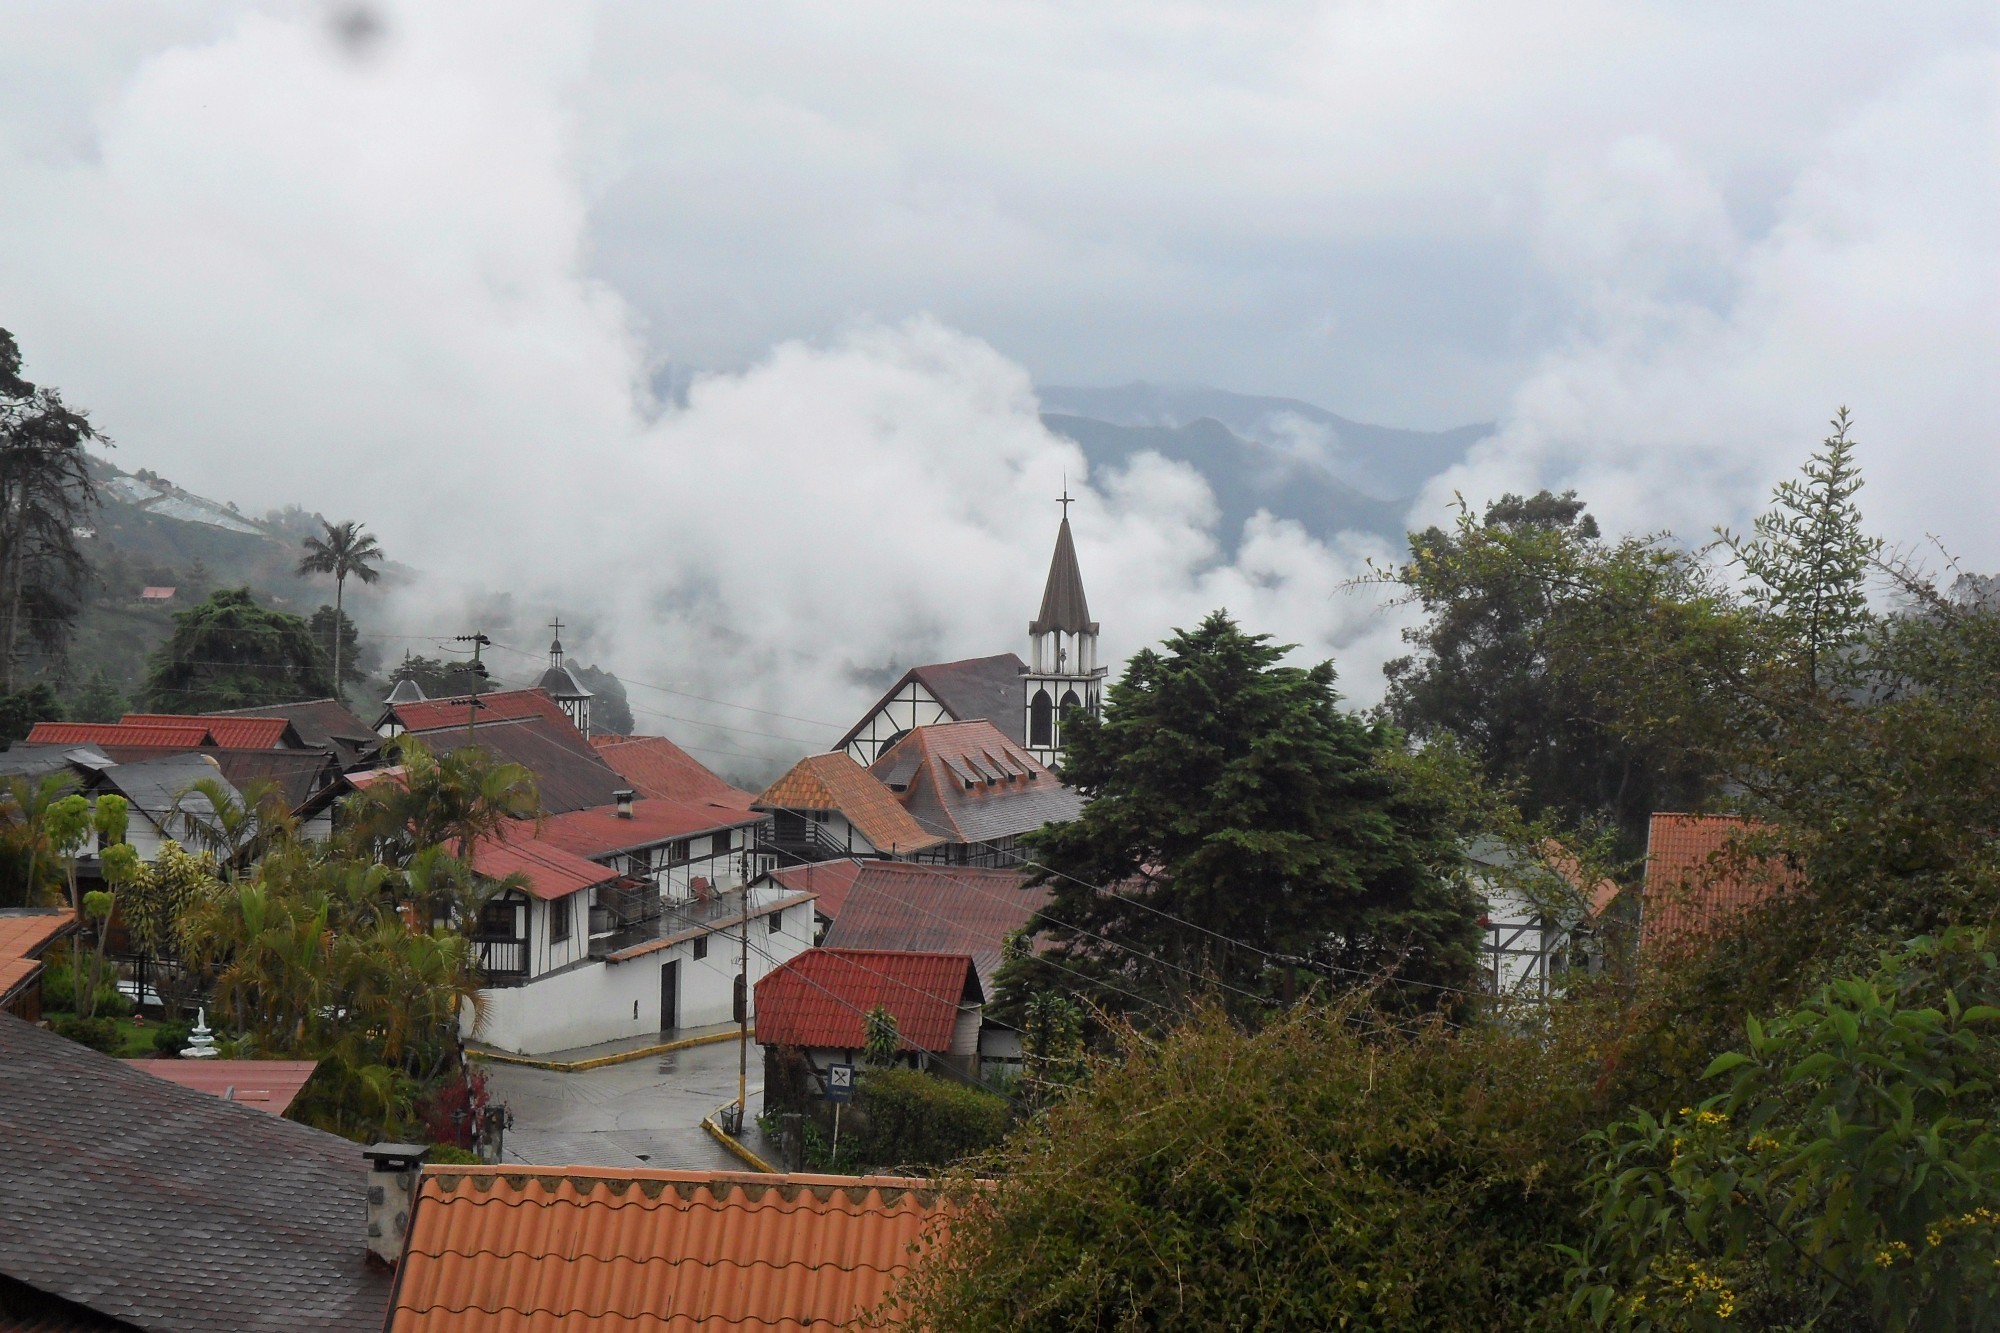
1064,499
556,625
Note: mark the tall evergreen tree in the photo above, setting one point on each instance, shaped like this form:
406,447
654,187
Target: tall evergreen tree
229,652
1246,833
46,495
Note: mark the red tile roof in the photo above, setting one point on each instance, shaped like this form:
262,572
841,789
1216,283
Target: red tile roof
829,881
969,783
835,782
822,998
663,771
551,872
24,934
602,831
500,706
547,1249
935,909
268,1085
173,736
236,733
1700,875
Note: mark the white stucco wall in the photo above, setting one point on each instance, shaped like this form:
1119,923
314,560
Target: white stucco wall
599,1001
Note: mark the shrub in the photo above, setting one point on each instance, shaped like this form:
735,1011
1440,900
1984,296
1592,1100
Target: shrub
450,1154
915,1119
1844,1178
171,1039
1323,1173
100,1034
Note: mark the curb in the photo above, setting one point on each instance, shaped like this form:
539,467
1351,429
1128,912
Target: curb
741,1153
598,1062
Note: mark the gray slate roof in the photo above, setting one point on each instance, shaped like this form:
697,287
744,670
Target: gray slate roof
976,687
172,1209
153,785
1064,606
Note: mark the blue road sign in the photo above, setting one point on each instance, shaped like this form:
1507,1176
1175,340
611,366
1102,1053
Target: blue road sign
840,1083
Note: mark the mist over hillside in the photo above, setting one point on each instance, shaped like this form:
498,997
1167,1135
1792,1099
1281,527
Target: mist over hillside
1386,462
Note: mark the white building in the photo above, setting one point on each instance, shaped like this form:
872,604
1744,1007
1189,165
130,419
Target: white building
633,920
1537,918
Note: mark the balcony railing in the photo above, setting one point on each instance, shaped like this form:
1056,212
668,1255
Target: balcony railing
502,962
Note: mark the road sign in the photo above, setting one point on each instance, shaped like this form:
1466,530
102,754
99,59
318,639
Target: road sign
840,1083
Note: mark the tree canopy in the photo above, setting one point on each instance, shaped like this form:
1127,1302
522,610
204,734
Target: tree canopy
229,652
1250,836
46,495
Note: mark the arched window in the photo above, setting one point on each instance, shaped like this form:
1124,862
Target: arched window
1070,701
1041,719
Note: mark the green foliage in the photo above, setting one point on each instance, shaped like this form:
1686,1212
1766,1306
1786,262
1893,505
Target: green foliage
99,1034
450,1154
229,652
21,710
1323,1173
46,496
610,710
1052,1045
1231,792
353,667
882,1040
345,551
96,700
914,1119
1810,559
440,679
170,1039
1505,599
450,800
1845,1178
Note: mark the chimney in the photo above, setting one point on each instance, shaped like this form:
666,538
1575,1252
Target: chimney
624,798
393,1172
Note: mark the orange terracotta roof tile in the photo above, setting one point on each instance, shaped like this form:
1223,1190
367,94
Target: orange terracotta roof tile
602,831
835,782
822,998
499,706
551,872
236,733
541,1250
24,934
660,770
1700,876
970,783
828,881
159,736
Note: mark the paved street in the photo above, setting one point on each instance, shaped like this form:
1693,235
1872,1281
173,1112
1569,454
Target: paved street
642,1113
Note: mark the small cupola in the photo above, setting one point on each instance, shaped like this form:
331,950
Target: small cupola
562,686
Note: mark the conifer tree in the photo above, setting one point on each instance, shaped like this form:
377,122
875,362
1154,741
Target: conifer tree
1244,833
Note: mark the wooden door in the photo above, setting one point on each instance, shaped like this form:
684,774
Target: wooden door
670,995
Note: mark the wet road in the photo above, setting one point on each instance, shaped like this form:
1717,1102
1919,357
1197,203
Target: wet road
643,1113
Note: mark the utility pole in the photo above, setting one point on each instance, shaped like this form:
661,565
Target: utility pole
478,641
743,1020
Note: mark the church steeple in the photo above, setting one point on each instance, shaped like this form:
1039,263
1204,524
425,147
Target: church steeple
562,686
1063,674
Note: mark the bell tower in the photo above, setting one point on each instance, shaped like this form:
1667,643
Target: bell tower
562,686
1063,674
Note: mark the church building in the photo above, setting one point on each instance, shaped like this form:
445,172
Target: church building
1025,700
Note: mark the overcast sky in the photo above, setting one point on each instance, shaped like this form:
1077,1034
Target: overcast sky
413,264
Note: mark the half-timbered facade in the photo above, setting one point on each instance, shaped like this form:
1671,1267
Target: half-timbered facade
977,687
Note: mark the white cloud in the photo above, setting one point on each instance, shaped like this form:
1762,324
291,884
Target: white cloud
420,284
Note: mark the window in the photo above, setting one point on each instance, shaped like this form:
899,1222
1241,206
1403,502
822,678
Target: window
678,851
1070,702
777,920
701,946
561,914
496,920
719,844
1041,719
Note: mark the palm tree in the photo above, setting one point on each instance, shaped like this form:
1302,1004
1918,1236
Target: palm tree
346,549
236,831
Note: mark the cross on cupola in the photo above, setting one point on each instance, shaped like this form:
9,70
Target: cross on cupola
1063,676
562,684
